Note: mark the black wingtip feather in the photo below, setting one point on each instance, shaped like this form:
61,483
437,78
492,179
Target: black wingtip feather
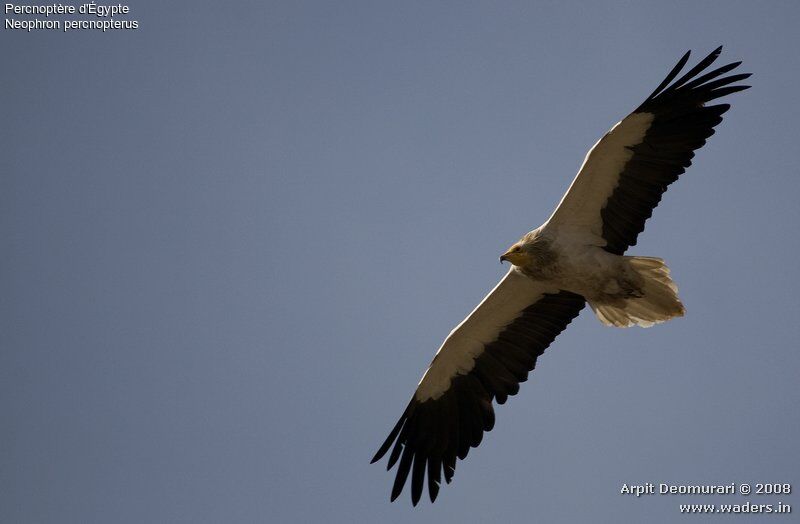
672,74
393,434
701,65
725,91
402,472
418,477
711,75
434,476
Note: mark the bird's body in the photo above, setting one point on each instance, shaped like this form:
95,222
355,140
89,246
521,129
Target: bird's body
577,256
562,262
637,289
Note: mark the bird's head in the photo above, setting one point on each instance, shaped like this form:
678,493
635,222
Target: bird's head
517,255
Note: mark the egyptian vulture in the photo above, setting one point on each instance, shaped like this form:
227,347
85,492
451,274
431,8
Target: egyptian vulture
577,256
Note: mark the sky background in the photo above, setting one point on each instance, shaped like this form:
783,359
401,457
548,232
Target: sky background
232,240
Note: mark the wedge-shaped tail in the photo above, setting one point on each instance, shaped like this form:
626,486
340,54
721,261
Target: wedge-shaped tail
658,302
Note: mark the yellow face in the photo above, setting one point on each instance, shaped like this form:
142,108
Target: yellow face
516,255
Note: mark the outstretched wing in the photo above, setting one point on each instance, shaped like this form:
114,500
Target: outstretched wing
484,358
624,175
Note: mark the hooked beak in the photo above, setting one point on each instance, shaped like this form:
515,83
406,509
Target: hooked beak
514,255
507,256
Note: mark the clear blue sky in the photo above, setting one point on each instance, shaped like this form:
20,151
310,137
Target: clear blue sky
232,240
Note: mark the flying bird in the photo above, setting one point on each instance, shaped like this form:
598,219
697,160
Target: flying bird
577,256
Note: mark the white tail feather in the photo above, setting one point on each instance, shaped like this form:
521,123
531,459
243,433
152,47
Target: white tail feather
658,302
